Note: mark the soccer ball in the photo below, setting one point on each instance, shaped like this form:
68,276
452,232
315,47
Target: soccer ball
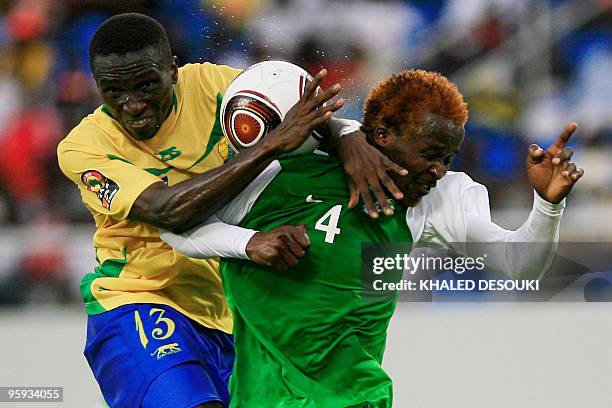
258,100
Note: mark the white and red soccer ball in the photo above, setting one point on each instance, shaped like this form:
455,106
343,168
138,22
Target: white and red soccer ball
258,100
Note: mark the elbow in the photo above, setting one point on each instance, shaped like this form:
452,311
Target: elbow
172,219
156,207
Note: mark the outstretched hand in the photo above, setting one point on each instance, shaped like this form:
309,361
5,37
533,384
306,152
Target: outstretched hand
550,172
281,248
368,172
307,114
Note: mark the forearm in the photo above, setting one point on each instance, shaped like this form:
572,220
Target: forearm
533,245
229,241
187,204
528,251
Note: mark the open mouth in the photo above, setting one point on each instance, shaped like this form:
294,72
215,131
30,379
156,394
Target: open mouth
140,123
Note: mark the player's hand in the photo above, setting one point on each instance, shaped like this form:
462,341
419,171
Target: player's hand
550,172
368,172
280,248
306,115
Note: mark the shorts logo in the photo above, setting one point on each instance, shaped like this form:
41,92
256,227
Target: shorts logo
166,350
105,188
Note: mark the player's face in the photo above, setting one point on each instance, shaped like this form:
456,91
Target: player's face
426,155
137,88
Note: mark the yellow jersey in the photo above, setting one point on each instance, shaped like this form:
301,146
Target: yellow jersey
111,170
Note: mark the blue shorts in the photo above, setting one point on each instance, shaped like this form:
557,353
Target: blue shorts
146,355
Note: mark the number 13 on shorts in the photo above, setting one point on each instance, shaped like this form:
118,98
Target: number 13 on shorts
163,329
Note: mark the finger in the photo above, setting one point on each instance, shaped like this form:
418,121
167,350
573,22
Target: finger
319,99
564,137
278,261
354,194
287,256
390,186
388,181
564,156
295,247
327,94
301,236
321,115
381,195
292,245
577,175
535,153
312,85
315,119
364,192
571,167
331,107
394,167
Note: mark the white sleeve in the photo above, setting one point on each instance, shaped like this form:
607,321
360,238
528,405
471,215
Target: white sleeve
342,127
219,236
518,258
212,238
460,214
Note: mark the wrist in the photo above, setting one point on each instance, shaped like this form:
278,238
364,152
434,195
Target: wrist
340,128
267,149
251,245
546,207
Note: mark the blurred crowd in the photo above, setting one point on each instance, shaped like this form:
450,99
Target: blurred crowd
526,67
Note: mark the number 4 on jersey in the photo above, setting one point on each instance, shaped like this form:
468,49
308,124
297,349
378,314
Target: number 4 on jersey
331,229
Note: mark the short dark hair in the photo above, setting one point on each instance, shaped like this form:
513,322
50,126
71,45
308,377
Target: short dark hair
129,32
402,100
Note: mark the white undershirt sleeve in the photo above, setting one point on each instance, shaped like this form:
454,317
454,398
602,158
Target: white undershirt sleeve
517,258
458,216
342,127
210,239
219,236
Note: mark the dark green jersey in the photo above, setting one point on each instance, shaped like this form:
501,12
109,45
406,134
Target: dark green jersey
305,338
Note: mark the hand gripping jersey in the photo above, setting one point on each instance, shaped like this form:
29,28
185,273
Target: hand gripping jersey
111,170
306,337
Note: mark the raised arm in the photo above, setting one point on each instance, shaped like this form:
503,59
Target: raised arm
184,205
458,214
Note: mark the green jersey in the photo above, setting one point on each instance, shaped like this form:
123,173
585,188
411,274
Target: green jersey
306,338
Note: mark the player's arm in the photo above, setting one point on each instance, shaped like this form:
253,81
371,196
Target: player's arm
186,204
218,236
366,167
552,175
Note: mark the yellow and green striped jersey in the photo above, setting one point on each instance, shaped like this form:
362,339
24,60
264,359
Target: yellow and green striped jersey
111,170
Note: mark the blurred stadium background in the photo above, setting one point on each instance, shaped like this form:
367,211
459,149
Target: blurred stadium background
526,67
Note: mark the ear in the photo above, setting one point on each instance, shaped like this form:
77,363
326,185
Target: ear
383,137
174,68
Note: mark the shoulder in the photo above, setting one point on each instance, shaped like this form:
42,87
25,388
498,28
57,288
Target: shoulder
442,212
87,132
452,187
94,133
208,74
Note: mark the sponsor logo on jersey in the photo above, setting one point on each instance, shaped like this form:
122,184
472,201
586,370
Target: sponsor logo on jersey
166,350
102,186
169,154
309,199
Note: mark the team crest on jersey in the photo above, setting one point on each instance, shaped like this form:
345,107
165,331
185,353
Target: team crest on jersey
102,186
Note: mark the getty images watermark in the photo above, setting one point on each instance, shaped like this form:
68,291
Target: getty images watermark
487,272
434,263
